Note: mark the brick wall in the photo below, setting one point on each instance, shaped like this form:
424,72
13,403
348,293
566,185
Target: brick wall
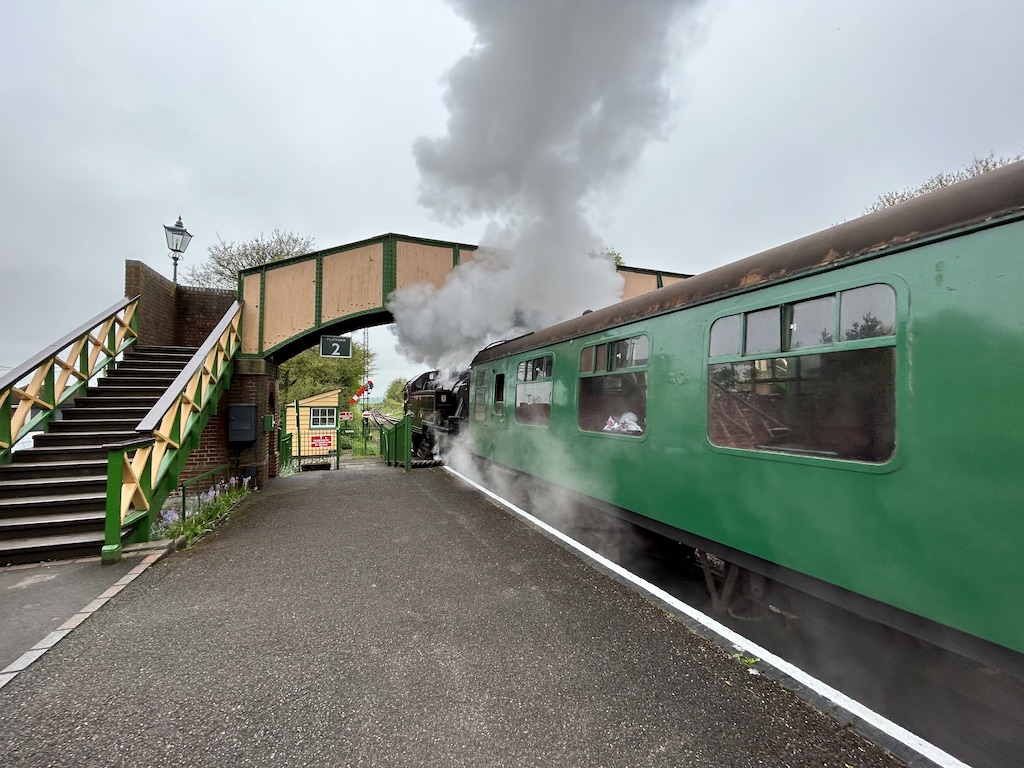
178,315
157,306
198,311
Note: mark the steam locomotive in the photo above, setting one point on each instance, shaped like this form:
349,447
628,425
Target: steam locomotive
438,402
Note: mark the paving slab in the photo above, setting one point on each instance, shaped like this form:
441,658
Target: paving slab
37,599
368,616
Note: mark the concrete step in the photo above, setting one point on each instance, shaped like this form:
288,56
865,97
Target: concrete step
113,399
61,453
53,524
81,439
23,468
54,503
34,549
75,426
90,412
139,379
152,393
32,487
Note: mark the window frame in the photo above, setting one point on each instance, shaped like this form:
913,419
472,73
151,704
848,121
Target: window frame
785,300
603,350
527,366
331,409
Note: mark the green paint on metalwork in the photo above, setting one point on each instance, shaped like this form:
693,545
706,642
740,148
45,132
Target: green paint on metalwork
318,314
390,266
111,551
263,304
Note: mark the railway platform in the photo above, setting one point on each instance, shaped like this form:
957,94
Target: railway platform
368,616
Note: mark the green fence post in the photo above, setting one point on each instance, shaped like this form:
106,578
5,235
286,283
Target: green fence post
5,430
111,551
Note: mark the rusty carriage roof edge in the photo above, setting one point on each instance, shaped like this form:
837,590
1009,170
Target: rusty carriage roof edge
991,197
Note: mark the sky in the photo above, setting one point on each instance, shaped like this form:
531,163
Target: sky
774,121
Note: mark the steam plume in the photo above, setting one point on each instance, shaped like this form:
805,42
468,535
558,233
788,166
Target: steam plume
553,104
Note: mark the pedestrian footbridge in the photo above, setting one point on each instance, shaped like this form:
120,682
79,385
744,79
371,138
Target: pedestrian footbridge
137,399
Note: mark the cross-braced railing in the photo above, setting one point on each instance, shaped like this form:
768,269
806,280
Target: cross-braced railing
142,471
31,393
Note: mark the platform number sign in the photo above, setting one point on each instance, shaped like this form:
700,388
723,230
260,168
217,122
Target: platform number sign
335,346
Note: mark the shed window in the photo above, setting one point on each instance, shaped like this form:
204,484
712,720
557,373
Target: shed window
323,418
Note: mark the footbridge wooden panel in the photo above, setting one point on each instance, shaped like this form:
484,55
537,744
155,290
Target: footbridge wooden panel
288,304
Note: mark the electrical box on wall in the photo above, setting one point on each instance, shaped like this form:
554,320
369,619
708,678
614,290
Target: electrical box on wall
241,423
268,422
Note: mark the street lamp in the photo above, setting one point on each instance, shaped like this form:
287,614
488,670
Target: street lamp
177,241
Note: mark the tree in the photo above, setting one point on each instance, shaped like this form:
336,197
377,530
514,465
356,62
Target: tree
394,398
609,253
309,374
225,260
978,167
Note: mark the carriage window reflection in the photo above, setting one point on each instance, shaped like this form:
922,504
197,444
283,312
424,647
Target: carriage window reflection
813,323
480,395
725,336
764,331
836,404
614,402
533,390
868,312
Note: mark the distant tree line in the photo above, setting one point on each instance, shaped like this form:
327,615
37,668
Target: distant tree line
976,168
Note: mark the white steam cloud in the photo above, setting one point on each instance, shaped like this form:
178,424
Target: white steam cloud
555,102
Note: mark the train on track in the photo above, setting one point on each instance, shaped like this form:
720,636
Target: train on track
438,403
843,415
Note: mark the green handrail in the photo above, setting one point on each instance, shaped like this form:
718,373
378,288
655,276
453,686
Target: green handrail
142,472
31,393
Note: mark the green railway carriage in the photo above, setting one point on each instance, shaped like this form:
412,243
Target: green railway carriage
844,414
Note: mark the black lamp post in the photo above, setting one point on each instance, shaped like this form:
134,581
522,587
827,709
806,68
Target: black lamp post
177,241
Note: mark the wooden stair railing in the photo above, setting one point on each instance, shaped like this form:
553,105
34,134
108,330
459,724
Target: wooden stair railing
141,472
31,392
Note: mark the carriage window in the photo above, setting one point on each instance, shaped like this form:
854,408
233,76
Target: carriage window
764,331
499,393
725,336
813,323
616,402
323,418
587,360
533,391
480,395
838,403
868,312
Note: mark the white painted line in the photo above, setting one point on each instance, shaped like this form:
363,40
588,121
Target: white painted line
51,639
919,745
23,661
6,677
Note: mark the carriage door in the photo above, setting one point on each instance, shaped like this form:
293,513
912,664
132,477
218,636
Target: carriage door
498,400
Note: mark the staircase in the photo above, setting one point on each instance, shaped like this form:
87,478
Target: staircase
53,495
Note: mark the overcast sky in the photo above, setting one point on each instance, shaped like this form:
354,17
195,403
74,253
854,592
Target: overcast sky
244,117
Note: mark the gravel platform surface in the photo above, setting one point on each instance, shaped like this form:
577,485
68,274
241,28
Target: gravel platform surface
372,617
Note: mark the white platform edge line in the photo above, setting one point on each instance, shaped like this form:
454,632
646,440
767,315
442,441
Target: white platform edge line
919,745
